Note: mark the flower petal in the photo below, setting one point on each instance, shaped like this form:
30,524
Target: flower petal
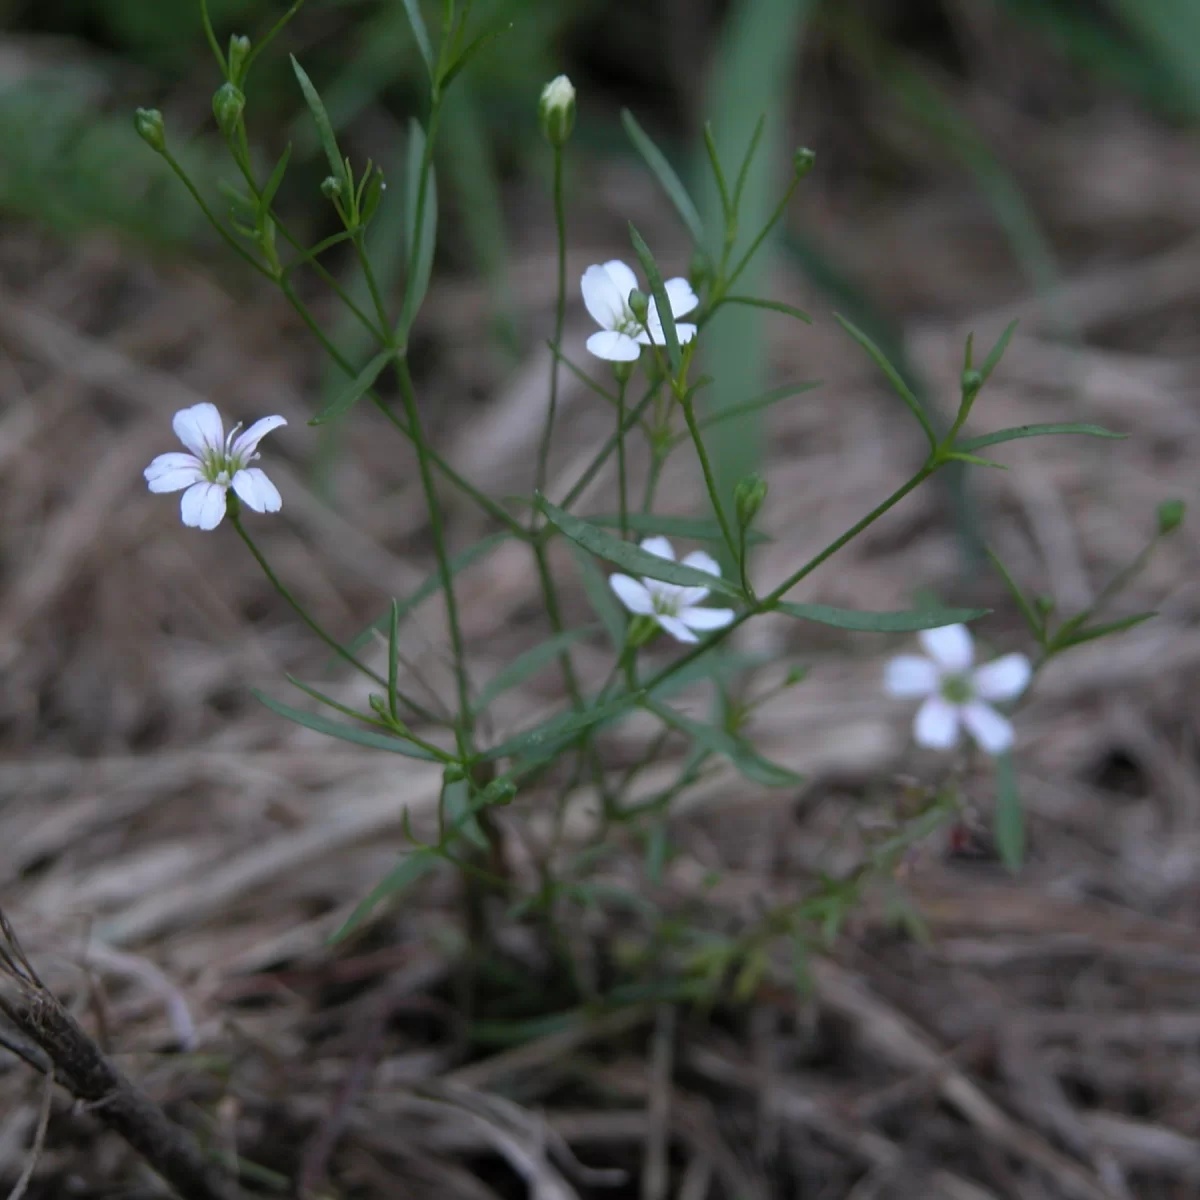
246,443
660,547
602,298
683,299
910,675
685,331
1003,678
203,505
170,472
624,280
703,561
677,629
259,493
653,331
614,347
991,731
200,428
706,618
634,595
936,724
950,646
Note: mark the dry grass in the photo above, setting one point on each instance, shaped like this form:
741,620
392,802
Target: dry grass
175,857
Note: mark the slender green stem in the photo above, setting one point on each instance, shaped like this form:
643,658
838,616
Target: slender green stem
224,233
406,316
486,503
330,641
554,613
763,233
364,262
631,419
560,316
710,479
658,460
622,482
437,530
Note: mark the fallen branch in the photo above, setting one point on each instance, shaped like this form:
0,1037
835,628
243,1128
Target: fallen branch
85,1071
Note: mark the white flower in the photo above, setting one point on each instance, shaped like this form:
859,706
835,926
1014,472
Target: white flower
216,463
956,692
606,291
558,93
673,606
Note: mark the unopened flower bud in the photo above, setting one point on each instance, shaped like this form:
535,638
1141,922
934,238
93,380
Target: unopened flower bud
499,791
972,381
331,187
239,51
149,125
556,110
700,269
748,498
1170,516
1045,604
639,305
803,161
228,105
454,773
623,371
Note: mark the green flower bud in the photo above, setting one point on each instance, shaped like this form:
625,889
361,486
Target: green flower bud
149,125
500,791
331,187
239,51
454,773
623,371
556,110
1045,604
228,105
700,269
639,305
1170,516
748,498
803,161
972,381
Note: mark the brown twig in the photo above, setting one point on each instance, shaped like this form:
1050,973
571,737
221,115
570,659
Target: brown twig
81,1066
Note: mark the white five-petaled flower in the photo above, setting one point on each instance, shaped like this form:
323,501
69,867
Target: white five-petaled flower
956,692
216,463
606,291
673,606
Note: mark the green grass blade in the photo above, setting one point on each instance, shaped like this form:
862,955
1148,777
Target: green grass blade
662,170
1009,828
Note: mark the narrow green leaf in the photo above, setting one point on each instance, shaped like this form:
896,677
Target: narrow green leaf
354,391
1027,610
662,170
996,353
747,162
271,35
346,733
209,33
774,305
893,376
393,656
460,814
546,739
526,665
714,160
1091,633
883,622
422,264
464,59
717,663
420,33
268,195
630,557
1009,819
744,757
402,876
766,400
428,587
974,460
661,301
696,528
1028,431
600,597
337,165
